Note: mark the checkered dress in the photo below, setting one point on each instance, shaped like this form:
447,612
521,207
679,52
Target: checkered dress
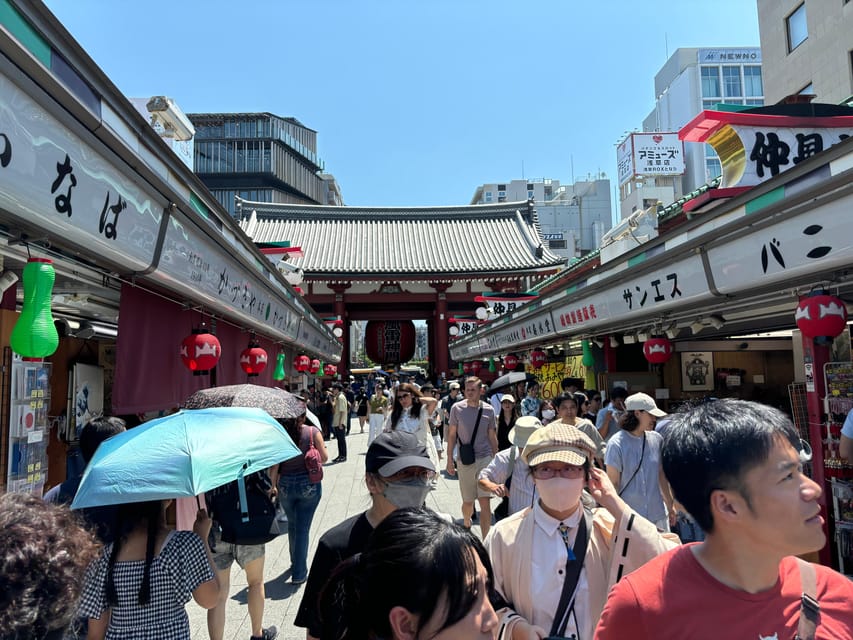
176,571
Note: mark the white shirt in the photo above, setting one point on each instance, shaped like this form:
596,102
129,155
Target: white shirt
406,422
548,570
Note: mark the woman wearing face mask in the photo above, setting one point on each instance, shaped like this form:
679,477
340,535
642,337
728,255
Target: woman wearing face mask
419,576
410,412
547,412
398,474
560,546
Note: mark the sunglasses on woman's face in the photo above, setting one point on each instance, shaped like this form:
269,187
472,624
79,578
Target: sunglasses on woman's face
404,395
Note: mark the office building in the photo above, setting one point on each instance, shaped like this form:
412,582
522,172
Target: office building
260,157
808,48
691,80
572,218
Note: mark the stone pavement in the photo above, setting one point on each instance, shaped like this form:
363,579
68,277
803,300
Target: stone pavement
344,495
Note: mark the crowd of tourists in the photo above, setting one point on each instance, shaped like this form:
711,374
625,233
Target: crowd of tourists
584,542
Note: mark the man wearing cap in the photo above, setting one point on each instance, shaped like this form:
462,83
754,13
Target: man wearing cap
633,463
737,467
472,422
534,551
398,474
507,474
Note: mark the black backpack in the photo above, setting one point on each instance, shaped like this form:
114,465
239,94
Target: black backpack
248,521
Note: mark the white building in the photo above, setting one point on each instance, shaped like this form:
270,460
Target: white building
572,218
691,80
808,48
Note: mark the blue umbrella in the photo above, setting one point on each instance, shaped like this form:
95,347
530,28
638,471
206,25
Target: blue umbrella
183,455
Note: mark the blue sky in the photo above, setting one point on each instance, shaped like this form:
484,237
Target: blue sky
415,102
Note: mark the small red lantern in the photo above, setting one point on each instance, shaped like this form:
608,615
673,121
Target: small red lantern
200,351
330,370
302,363
537,359
253,360
657,350
821,316
466,368
510,362
315,366
476,365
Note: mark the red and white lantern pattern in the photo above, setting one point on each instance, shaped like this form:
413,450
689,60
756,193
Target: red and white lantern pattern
538,359
302,363
821,316
510,362
315,366
200,352
657,350
253,360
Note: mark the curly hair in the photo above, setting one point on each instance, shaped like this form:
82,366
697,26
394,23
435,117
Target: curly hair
44,552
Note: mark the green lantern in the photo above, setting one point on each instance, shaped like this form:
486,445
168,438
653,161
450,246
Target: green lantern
278,373
492,365
34,334
588,359
459,370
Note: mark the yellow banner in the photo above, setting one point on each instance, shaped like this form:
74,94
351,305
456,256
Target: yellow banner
552,373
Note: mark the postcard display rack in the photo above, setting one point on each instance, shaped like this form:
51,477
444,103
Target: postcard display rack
28,426
839,402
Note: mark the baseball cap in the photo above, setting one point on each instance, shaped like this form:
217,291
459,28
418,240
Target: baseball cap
393,451
558,442
454,385
337,385
523,429
506,397
643,402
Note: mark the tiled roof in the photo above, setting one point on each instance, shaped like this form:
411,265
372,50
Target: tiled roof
475,239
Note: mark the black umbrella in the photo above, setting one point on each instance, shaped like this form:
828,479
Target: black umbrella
510,379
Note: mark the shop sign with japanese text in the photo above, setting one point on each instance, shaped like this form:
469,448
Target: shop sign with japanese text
193,262
817,239
52,179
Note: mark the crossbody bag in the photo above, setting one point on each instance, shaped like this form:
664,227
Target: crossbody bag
467,456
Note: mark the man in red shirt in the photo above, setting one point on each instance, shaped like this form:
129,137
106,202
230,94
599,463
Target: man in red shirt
736,467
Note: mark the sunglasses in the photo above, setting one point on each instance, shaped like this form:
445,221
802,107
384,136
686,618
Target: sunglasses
404,395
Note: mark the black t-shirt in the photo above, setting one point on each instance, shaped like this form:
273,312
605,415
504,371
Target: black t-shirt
337,544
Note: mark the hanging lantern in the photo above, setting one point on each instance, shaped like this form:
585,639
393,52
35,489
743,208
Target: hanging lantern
389,341
587,359
34,334
537,359
657,350
330,370
200,351
492,367
476,365
466,368
279,373
253,360
315,366
510,362
821,316
302,363
453,331
460,369
338,331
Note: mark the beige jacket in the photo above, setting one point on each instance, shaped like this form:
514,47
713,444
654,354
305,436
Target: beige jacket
613,551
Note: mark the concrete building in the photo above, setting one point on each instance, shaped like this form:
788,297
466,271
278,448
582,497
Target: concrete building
260,157
572,218
808,48
691,80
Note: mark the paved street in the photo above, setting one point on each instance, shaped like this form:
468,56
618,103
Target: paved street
344,495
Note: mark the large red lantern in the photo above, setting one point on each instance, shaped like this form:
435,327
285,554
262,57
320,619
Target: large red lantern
253,360
476,365
330,370
302,363
537,359
510,362
315,366
821,316
466,368
200,351
657,350
389,341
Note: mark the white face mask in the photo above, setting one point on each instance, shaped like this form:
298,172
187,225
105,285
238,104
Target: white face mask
560,494
549,414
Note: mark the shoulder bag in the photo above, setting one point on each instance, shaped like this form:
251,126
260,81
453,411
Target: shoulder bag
466,451
637,470
313,461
